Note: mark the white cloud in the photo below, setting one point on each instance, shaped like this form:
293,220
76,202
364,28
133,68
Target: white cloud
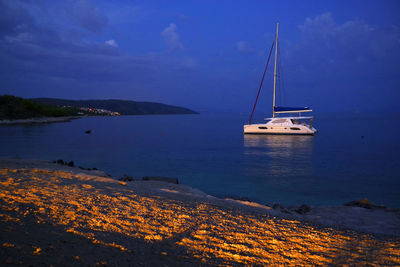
244,47
350,41
171,37
322,24
334,59
112,43
20,37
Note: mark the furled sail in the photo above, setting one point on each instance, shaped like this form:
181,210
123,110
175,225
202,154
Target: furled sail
291,109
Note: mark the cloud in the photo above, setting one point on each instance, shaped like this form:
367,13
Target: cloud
171,37
244,47
88,16
63,59
41,55
13,18
353,43
322,26
112,43
189,62
349,59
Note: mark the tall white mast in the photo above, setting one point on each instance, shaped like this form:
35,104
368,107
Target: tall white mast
276,57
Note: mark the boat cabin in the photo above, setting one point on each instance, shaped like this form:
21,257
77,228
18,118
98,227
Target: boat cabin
287,121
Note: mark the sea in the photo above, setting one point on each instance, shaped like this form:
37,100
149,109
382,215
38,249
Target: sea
350,158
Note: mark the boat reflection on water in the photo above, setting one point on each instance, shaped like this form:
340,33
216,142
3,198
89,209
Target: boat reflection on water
279,155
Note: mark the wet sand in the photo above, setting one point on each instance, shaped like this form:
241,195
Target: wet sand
58,215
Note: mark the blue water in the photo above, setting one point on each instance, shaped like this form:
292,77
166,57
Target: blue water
209,152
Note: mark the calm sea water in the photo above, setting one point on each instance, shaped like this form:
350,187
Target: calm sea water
209,152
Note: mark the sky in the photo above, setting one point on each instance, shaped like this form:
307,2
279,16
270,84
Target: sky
334,56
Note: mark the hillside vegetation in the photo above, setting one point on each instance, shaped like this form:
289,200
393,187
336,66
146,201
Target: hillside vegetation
124,107
12,108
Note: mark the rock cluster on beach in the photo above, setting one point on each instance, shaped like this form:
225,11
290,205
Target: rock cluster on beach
303,209
61,162
364,203
128,178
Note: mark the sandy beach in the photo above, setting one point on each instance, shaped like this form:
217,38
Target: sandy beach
64,216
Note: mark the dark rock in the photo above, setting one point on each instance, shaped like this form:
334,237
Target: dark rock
60,161
364,203
281,208
127,178
277,206
71,164
161,179
303,209
88,131
88,169
285,210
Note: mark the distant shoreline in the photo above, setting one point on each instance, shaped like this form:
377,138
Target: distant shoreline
39,120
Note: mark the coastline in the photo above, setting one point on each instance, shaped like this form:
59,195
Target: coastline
157,222
39,120
43,120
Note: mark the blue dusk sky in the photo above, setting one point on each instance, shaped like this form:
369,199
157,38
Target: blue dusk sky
206,55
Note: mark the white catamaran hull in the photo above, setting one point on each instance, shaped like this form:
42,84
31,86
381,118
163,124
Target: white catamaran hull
263,129
280,126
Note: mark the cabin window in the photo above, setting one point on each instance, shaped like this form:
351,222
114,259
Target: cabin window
295,128
262,127
279,121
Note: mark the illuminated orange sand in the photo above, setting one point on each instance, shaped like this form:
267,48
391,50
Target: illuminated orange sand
110,223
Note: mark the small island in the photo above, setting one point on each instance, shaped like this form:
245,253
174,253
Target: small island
40,110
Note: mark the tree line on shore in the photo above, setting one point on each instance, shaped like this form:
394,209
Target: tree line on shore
14,108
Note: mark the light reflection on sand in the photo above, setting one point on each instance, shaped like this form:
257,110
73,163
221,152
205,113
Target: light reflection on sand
95,208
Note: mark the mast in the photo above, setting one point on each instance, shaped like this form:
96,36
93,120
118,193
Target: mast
276,57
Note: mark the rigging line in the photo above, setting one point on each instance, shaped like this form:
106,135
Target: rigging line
262,80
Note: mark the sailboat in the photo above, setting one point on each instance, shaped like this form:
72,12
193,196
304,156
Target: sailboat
296,125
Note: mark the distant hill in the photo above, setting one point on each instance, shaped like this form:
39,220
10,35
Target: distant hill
14,108
124,107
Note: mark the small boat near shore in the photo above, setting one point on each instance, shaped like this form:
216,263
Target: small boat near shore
292,125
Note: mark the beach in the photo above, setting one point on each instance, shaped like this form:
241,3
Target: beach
56,215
